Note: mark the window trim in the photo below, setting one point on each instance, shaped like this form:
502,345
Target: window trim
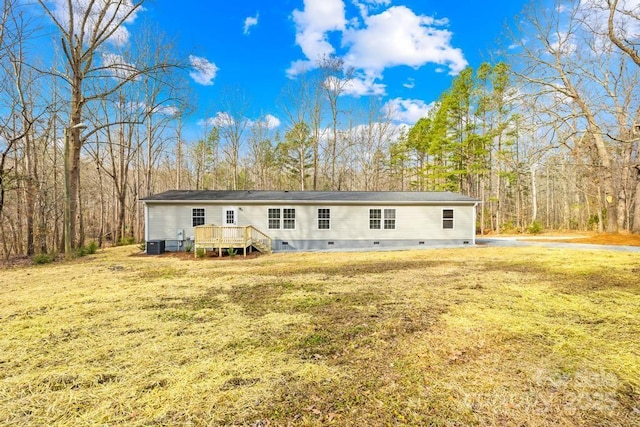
281,220
278,218
198,217
392,221
326,219
289,219
378,220
446,220
387,216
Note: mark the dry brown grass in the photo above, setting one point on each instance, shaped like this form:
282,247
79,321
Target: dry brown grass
469,336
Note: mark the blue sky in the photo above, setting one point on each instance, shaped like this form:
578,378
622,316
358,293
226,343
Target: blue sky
259,45
404,52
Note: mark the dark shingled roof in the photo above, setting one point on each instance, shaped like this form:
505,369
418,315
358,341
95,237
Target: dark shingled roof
309,196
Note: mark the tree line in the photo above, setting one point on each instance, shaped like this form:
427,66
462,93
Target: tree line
547,136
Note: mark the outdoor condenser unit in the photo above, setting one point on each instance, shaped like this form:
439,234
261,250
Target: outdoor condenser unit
155,247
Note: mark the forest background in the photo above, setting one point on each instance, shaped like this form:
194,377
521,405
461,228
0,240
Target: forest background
547,136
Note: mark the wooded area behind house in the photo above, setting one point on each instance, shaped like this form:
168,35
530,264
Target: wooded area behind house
546,136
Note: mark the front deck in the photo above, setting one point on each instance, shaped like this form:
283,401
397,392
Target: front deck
215,237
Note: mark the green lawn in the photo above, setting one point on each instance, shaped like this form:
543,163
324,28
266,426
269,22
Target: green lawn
465,336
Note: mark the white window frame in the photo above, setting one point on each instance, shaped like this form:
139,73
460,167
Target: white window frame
198,217
285,219
389,214
225,216
324,219
277,222
281,220
448,220
378,219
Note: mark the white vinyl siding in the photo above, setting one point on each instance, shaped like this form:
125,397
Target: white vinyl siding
347,222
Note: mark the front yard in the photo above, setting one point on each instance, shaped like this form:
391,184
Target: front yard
466,336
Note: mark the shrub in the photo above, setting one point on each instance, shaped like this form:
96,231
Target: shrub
201,252
81,251
92,247
231,252
126,241
535,228
44,258
188,246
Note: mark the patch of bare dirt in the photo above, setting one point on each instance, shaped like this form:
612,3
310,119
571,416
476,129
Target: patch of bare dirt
210,255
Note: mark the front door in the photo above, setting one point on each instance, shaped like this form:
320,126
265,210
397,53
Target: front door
230,216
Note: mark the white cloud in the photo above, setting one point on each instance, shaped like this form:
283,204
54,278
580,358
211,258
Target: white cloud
249,22
313,24
115,12
365,6
410,84
223,119
118,66
272,122
299,67
220,120
398,36
595,14
363,86
564,43
203,71
407,111
166,110
269,122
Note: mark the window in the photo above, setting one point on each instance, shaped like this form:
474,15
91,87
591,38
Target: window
289,219
274,219
230,217
197,216
389,219
378,221
324,219
282,218
374,219
447,218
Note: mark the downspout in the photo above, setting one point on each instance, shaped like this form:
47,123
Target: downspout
473,223
146,222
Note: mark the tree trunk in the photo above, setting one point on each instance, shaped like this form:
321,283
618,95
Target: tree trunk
635,226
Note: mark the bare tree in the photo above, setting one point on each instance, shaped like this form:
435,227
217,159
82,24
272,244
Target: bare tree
622,15
232,122
335,78
86,28
566,60
302,101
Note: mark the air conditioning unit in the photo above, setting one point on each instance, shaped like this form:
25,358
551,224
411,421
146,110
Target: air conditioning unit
155,247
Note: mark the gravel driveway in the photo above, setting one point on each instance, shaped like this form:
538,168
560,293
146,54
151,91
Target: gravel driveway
542,241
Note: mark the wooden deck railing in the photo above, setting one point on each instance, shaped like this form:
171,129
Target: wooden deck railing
231,237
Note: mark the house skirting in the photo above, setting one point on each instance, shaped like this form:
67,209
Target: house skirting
315,245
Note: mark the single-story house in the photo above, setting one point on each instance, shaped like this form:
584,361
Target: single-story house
315,220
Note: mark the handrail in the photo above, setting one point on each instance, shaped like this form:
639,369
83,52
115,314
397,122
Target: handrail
230,237
260,237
